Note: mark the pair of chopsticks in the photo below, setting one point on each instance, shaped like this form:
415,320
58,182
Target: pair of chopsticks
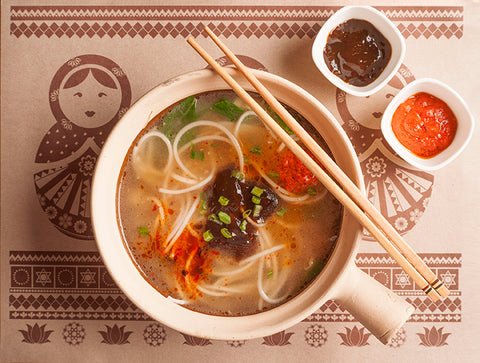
350,196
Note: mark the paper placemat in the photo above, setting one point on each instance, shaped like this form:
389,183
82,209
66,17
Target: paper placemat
58,299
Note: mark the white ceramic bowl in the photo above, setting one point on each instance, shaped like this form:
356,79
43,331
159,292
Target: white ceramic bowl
379,21
454,101
374,305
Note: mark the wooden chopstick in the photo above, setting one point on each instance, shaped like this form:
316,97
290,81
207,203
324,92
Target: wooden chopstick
362,214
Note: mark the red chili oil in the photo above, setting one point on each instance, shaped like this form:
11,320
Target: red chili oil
424,124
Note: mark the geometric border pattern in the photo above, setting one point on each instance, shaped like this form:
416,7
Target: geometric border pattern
76,285
228,21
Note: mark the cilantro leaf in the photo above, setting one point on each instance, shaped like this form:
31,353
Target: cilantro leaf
228,109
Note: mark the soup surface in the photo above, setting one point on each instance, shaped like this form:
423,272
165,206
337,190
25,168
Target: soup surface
218,214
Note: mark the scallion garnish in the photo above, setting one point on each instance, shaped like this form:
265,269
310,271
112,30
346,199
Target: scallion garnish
243,225
256,149
256,191
281,212
143,231
207,236
226,233
197,155
213,144
224,217
256,200
273,175
256,210
270,274
246,213
223,201
214,218
203,206
237,174
311,191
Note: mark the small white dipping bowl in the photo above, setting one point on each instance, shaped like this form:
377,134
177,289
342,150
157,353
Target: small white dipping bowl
384,26
457,105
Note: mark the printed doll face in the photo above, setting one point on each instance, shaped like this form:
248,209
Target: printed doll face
90,104
363,114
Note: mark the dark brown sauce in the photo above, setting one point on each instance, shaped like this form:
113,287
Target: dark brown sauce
357,52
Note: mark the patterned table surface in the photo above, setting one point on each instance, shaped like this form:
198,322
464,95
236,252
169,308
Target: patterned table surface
57,297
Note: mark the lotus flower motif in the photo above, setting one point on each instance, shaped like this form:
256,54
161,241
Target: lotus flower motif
36,334
194,341
355,337
433,337
278,339
115,335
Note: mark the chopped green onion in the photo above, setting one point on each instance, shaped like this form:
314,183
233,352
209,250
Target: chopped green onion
243,225
256,191
256,210
197,155
237,174
256,149
270,274
224,217
214,218
223,201
213,144
273,175
311,191
143,231
226,233
245,159
281,212
207,236
256,200
203,206
246,213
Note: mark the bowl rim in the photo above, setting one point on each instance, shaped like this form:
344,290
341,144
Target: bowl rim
118,260
384,25
465,120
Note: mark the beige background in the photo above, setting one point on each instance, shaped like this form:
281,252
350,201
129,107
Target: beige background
449,225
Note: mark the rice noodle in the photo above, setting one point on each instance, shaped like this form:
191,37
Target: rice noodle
262,292
262,254
189,189
181,226
190,126
162,136
241,119
183,179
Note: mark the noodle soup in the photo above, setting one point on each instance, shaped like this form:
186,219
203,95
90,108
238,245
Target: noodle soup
217,214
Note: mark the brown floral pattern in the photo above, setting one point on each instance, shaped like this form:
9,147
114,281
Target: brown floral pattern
154,334
235,343
316,335
115,335
36,334
433,337
399,339
195,341
355,337
278,339
74,333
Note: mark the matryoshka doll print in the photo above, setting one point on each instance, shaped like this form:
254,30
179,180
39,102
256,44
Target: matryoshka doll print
88,95
398,190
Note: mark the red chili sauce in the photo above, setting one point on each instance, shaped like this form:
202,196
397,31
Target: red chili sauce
424,124
357,52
